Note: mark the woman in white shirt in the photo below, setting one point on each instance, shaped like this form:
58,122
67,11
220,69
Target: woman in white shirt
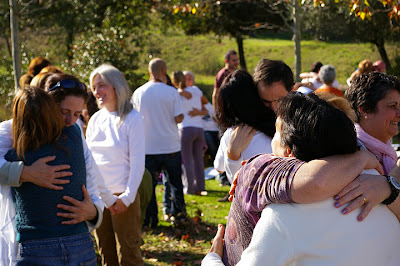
192,136
115,136
242,113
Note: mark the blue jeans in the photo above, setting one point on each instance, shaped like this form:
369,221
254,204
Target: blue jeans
69,250
167,194
171,163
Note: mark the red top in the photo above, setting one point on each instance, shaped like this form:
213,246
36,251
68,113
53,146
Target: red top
222,74
332,90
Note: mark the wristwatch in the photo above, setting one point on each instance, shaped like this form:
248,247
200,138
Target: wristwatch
395,186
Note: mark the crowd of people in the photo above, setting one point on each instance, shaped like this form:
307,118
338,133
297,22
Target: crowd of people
68,167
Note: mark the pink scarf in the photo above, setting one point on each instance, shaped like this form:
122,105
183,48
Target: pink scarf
384,151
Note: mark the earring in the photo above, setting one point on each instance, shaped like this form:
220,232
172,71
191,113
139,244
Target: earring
366,117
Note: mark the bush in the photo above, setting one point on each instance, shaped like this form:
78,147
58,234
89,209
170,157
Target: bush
395,67
109,45
6,81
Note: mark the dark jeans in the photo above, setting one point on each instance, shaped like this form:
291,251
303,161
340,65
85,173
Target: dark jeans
212,141
167,194
172,164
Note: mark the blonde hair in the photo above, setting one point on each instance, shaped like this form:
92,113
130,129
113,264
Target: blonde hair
365,66
178,79
37,120
114,77
340,103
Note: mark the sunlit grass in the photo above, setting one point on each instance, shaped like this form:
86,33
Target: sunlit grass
166,245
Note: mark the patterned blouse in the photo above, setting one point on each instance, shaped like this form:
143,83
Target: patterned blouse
263,180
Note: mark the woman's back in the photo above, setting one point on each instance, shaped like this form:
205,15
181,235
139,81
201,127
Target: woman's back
37,206
260,143
188,105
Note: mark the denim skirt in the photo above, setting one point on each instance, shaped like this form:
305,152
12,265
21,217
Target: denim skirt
69,250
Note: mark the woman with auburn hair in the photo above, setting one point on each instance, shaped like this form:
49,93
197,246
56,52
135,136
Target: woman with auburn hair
43,233
115,136
70,95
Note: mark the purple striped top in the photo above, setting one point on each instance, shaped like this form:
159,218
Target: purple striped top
263,180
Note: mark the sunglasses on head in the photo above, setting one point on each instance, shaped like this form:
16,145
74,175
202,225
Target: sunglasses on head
68,84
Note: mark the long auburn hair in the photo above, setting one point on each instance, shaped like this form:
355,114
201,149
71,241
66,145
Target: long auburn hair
37,120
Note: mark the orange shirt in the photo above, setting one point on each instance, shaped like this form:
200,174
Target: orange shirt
332,90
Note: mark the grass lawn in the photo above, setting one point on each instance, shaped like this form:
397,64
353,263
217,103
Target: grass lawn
167,245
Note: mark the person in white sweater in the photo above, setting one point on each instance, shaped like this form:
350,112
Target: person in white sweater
115,136
315,234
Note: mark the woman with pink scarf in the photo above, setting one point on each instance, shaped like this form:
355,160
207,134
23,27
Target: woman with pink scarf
375,97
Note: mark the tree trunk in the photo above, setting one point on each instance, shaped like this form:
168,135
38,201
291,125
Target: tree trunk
16,46
70,29
5,37
239,41
69,42
380,44
297,39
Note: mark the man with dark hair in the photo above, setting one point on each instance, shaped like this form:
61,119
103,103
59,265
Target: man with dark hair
274,79
231,64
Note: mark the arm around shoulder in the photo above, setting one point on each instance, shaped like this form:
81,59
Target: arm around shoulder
323,178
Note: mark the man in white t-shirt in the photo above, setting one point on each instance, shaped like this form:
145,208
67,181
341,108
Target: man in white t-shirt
161,108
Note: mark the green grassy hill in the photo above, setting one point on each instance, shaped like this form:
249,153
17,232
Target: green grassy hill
204,54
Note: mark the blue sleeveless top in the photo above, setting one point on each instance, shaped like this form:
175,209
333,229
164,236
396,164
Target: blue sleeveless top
36,207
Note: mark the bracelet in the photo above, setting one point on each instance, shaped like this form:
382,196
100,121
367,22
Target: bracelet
393,196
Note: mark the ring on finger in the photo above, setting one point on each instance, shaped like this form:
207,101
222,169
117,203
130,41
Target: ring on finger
365,200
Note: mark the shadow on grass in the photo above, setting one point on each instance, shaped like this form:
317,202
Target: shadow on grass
216,193
184,244
174,258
